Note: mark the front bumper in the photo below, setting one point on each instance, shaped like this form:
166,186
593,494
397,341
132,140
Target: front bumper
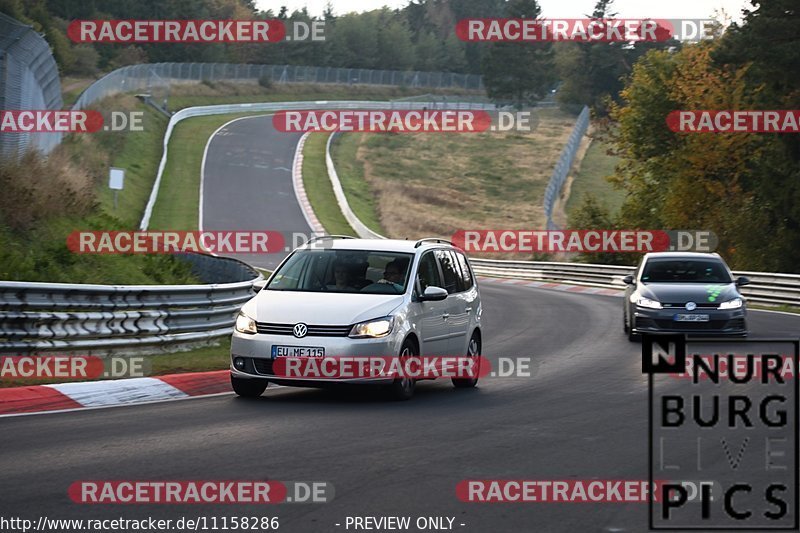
721,321
256,350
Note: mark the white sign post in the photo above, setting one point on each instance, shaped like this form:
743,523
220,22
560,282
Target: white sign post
116,182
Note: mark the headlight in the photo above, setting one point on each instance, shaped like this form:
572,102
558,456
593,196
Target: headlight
647,302
736,303
245,324
374,328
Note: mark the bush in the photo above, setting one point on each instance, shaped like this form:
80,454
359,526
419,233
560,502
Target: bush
265,81
35,188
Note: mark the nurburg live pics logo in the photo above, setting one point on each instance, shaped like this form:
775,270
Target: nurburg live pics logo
730,432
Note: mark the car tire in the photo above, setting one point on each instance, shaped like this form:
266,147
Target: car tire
403,387
248,388
633,337
473,351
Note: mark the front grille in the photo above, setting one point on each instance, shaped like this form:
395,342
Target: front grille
671,324
263,366
313,330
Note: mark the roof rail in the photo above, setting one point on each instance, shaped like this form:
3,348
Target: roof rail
431,239
321,237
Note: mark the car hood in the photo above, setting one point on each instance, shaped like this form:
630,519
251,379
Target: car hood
680,293
321,308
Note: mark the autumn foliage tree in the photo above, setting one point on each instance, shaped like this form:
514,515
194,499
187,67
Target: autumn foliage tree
695,180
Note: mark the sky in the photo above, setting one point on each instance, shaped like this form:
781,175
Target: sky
684,9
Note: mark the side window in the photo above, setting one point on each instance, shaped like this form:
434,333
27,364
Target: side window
428,272
452,277
466,276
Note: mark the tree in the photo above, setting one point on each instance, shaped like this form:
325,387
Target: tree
767,44
521,72
427,52
708,181
594,73
394,48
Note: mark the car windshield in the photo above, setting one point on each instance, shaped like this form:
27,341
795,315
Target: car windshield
343,271
685,271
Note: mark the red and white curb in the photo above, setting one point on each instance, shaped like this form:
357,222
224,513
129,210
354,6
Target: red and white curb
300,190
581,289
93,394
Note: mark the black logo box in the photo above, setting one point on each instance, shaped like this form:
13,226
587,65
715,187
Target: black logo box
678,365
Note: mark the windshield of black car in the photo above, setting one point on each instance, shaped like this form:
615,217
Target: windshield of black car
685,271
343,271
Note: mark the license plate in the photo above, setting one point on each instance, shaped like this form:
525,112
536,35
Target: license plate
297,351
691,318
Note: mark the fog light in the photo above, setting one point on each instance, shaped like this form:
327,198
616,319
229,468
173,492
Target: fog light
238,363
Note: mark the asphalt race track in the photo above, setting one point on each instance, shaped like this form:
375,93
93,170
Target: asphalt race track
581,415
247,184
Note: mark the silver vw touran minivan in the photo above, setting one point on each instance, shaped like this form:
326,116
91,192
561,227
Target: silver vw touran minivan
338,296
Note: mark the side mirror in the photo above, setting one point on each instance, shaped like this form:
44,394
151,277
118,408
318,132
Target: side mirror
628,280
258,285
433,294
742,280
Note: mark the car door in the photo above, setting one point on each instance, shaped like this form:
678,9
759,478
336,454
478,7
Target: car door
459,305
431,317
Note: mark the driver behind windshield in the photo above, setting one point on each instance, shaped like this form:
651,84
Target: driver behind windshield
343,277
394,276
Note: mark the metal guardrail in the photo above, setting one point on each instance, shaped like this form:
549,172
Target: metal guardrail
99,319
563,165
765,288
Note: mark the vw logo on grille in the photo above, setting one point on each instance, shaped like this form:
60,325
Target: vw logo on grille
690,306
300,330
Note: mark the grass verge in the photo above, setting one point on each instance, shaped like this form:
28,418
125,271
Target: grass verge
590,179
350,170
488,180
319,189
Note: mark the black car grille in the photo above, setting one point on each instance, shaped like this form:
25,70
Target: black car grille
700,305
711,324
313,330
263,366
